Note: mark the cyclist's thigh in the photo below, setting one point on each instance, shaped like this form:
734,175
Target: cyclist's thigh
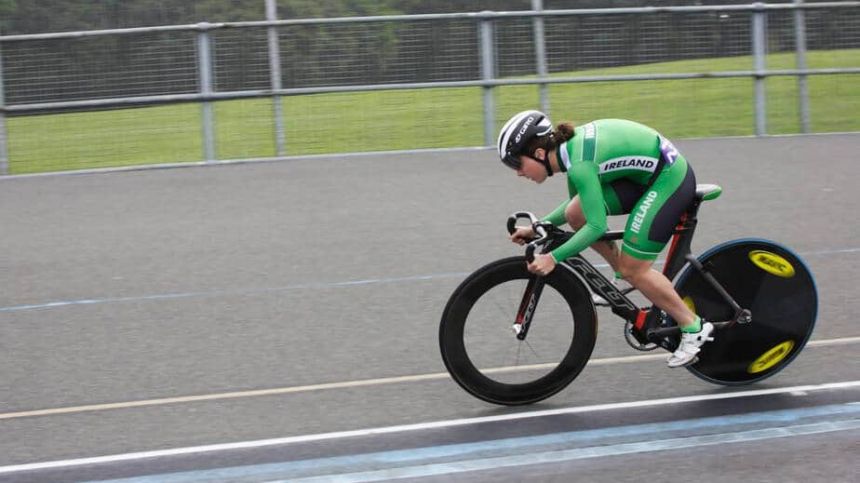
621,196
652,221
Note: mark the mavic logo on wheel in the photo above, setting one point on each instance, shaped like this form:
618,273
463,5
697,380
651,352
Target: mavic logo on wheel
772,263
771,357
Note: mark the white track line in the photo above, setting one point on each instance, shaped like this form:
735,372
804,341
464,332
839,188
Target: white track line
420,427
341,385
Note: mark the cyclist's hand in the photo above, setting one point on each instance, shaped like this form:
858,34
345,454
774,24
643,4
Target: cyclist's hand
543,264
522,235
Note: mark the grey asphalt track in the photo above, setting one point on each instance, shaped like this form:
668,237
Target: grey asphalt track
143,285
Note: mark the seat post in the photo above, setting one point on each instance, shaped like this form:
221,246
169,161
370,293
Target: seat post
682,239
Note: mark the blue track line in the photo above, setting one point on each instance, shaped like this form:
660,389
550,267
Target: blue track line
485,455
309,286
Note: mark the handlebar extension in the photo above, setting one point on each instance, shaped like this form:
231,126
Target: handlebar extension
540,228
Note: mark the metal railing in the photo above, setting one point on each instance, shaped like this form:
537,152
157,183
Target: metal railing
25,85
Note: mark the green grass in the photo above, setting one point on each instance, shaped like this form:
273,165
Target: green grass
431,118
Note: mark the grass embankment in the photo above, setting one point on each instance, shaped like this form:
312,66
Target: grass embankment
432,118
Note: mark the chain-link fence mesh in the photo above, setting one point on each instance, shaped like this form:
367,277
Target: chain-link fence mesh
367,56
70,69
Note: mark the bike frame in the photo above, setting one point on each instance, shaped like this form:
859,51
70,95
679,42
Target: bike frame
647,323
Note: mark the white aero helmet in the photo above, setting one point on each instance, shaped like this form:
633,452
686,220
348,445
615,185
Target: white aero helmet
517,132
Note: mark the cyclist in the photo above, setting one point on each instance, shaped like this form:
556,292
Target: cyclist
613,167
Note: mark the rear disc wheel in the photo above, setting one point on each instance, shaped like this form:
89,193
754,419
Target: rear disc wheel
775,285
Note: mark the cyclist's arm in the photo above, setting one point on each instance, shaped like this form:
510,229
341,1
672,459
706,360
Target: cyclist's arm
591,196
557,216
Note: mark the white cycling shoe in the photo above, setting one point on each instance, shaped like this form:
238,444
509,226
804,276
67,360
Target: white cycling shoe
691,344
622,285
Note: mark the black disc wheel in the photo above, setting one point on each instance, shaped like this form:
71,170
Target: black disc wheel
778,289
481,349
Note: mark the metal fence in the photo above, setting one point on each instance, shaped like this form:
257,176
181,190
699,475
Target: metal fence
275,88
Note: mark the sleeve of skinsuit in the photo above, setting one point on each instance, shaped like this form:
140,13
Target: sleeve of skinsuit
557,216
587,183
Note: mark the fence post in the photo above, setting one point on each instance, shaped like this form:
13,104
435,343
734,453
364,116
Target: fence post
204,64
4,149
800,48
540,52
275,76
487,65
759,41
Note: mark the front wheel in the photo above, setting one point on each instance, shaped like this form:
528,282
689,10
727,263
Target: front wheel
486,358
775,285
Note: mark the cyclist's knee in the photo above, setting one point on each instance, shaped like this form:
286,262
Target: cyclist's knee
632,269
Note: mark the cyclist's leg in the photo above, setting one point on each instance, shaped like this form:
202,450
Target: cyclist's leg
649,227
659,290
619,198
656,287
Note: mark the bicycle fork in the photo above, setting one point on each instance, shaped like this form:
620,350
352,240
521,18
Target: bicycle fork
527,307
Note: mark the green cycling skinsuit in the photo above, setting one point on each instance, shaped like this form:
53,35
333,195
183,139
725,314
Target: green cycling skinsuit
618,167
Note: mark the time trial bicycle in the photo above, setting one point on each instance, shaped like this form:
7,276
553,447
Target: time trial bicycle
510,337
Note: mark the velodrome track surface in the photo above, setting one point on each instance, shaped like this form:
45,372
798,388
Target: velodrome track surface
175,308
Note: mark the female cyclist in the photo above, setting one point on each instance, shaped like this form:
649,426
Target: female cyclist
613,167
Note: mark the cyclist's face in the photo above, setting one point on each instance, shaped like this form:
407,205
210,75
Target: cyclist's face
531,169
